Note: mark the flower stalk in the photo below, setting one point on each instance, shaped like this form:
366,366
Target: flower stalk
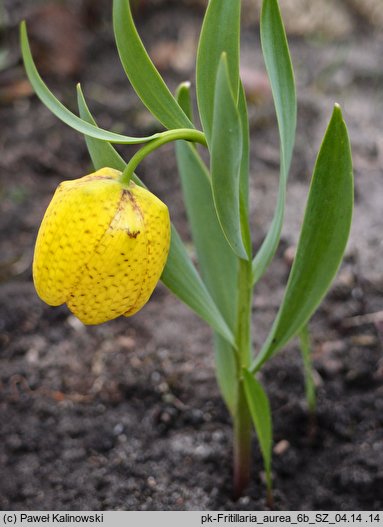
242,418
185,134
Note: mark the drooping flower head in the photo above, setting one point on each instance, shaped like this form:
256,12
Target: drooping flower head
101,247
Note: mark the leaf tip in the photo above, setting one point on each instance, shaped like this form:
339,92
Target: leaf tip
337,110
223,58
183,88
337,120
23,33
80,95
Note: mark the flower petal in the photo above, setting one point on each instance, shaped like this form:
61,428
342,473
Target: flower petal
74,223
128,261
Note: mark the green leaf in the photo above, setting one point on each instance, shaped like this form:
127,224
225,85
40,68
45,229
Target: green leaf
179,275
279,68
305,346
217,262
183,98
101,153
323,237
226,372
245,161
244,172
260,412
142,73
220,33
226,157
58,109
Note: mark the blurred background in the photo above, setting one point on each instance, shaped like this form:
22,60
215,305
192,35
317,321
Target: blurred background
127,415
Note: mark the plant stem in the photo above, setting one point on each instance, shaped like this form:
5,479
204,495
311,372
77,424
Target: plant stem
166,137
242,418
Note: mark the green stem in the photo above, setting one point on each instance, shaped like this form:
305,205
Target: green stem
185,134
242,418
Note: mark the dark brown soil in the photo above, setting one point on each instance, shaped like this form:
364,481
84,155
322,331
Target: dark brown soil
127,415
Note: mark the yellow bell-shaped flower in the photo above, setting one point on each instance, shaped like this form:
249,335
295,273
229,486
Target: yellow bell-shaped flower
101,247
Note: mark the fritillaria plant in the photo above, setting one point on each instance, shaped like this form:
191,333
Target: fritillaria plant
104,240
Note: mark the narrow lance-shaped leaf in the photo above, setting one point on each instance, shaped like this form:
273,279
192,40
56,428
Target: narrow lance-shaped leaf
278,64
323,237
179,275
220,33
143,75
245,161
58,109
260,412
244,172
226,155
217,262
183,99
226,372
102,153
305,346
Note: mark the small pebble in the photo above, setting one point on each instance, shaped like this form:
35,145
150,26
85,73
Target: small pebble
75,324
125,342
245,500
346,278
281,447
151,482
364,340
289,255
118,429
